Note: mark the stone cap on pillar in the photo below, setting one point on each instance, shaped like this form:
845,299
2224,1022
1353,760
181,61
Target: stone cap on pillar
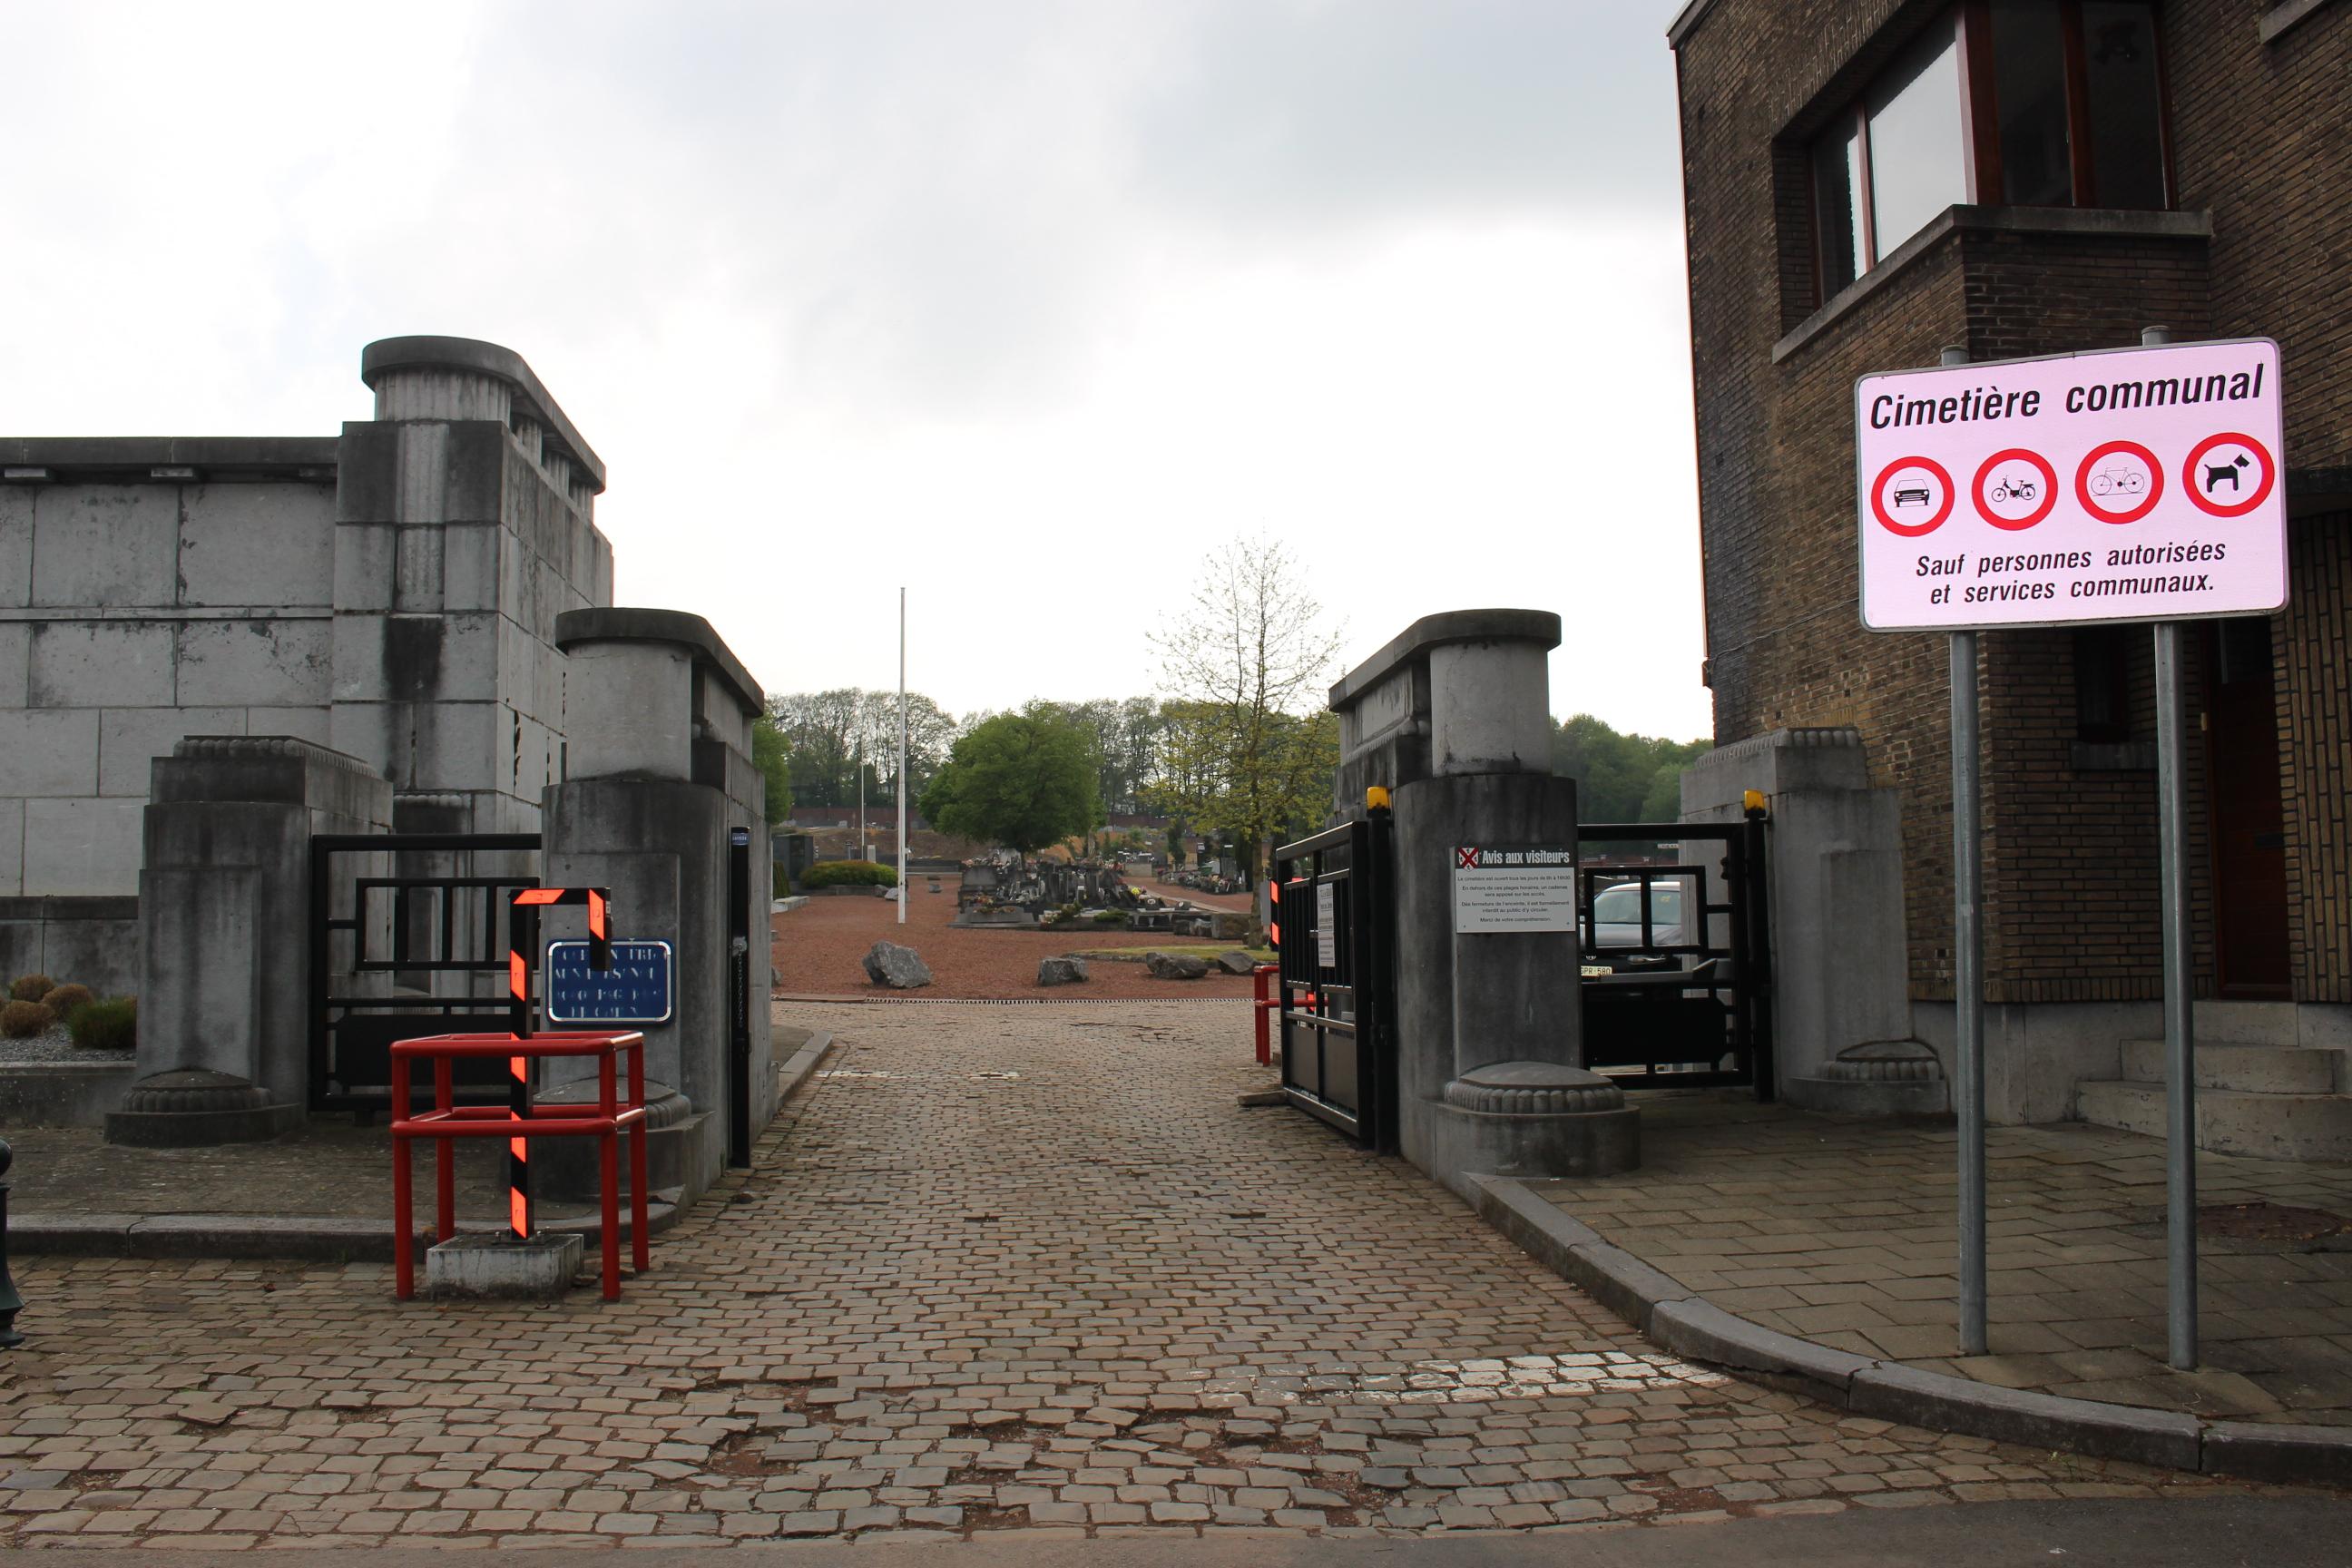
1465,691
396,357
270,769
1538,626
621,623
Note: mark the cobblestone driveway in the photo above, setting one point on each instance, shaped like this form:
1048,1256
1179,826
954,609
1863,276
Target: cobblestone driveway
1001,1268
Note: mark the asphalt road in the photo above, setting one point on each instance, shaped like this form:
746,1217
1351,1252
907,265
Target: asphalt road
2236,1532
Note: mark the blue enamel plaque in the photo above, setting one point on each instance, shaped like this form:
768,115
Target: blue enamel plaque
636,990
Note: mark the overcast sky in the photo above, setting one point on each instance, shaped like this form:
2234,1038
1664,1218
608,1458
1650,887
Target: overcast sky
1026,306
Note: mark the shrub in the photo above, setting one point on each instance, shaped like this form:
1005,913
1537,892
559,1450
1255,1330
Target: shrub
848,874
1110,917
109,1025
65,998
21,1020
31,987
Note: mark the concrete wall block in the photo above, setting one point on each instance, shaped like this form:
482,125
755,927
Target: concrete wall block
101,664
462,745
364,555
16,544
312,724
82,845
470,566
51,752
12,848
366,457
116,545
417,571
16,662
600,588
102,954
377,733
450,472
130,739
258,544
260,662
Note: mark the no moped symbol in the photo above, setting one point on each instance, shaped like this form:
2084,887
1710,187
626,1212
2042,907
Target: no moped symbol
2015,488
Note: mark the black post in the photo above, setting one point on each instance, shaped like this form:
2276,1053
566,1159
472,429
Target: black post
11,1302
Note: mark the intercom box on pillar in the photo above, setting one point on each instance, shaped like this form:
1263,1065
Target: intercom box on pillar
660,803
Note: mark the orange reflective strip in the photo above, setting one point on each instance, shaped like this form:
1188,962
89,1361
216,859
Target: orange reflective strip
518,975
539,896
520,1066
518,1212
518,1148
595,914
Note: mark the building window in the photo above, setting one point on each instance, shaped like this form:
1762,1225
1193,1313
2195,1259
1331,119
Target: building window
2102,686
2022,102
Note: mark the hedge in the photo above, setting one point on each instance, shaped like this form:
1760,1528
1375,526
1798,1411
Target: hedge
848,874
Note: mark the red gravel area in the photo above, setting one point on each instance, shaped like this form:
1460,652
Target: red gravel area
820,946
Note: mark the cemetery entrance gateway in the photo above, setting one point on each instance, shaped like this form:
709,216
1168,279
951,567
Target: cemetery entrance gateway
1338,989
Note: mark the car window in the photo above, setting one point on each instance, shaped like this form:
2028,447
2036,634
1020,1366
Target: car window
1622,905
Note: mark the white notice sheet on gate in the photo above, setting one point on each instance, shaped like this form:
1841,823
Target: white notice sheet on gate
1514,890
1327,924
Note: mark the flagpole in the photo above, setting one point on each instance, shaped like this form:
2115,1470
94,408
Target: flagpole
902,755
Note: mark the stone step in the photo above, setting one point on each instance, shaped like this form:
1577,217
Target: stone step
2229,1121
2251,1069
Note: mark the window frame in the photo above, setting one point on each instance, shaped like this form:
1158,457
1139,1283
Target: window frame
1980,165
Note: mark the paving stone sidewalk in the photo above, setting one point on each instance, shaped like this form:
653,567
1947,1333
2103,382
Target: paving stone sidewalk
997,1270
1843,1231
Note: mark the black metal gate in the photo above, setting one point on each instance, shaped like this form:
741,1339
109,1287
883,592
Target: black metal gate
1677,955
1338,1013
406,938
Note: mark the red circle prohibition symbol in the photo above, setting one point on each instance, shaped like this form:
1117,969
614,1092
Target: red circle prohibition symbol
2049,488
1878,497
2235,509
2083,475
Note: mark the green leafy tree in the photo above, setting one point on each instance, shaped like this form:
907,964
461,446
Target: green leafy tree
1021,780
1622,777
771,755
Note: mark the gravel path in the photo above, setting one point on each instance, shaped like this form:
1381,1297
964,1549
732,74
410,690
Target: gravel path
819,946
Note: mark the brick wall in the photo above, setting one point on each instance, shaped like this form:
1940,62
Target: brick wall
2071,850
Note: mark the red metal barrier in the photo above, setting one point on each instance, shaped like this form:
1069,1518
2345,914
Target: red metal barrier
605,1119
1265,1005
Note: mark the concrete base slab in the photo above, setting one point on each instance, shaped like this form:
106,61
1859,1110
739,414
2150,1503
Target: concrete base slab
1468,1145
476,1265
201,1128
61,1094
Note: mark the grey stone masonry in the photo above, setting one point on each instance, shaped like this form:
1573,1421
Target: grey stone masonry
224,1024
660,783
391,591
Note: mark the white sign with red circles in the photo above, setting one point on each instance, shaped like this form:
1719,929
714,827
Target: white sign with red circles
2123,485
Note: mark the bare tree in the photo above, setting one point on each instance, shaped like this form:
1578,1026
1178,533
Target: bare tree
1249,745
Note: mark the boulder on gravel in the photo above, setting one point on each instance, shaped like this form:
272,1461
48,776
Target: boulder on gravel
1236,963
1061,970
1175,965
899,968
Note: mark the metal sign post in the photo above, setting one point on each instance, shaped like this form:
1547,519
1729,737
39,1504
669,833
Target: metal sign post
2180,1019
2122,485
1968,974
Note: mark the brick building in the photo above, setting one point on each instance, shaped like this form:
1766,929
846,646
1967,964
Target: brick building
1869,181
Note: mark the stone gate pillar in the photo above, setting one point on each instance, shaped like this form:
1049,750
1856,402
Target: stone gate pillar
657,784
1454,719
224,918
